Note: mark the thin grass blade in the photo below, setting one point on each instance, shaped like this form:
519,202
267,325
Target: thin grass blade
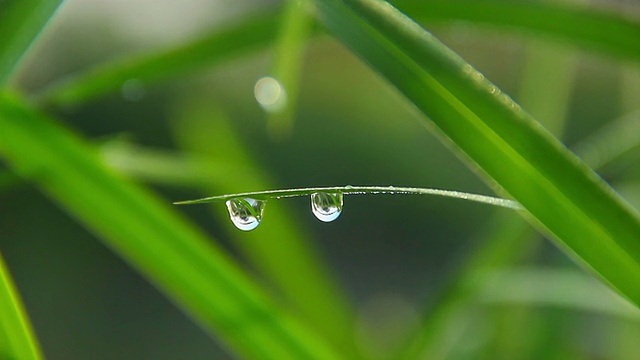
17,340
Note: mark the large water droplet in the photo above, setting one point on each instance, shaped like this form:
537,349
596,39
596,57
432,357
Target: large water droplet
326,206
245,213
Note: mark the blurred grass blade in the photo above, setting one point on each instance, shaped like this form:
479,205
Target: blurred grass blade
217,47
561,194
552,287
576,26
609,33
612,141
17,340
161,245
290,46
280,249
20,24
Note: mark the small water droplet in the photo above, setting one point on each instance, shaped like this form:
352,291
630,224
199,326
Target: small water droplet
245,213
326,206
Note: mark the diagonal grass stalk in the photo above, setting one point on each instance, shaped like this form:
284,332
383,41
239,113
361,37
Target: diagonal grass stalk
17,340
560,193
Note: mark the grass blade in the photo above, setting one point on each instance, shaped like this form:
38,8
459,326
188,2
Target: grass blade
20,23
546,86
161,245
17,340
217,47
608,33
357,190
561,194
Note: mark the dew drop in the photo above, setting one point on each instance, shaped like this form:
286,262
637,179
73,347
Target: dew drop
245,213
326,206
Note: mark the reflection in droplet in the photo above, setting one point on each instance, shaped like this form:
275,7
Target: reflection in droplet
133,90
326,206
270,94
245,213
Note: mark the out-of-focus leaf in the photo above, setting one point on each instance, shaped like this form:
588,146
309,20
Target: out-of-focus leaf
21,21
160,244
17,340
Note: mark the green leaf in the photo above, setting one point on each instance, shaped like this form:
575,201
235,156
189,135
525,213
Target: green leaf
20,24
561,194
161,245
606,32
16,336
207,51
545,89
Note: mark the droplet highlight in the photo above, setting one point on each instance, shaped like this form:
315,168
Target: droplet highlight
326,206
270,94
245,213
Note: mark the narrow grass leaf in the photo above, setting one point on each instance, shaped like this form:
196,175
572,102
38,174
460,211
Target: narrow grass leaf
560,193
212,49
161,245
20,24
546,87
17,340
606,32
552,287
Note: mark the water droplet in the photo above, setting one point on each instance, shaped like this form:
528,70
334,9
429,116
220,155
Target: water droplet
245,213
326,206
270,94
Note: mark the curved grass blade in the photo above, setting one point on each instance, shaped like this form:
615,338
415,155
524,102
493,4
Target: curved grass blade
609,33
561,194
20,23
207,51
358,190
17,340
177,258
